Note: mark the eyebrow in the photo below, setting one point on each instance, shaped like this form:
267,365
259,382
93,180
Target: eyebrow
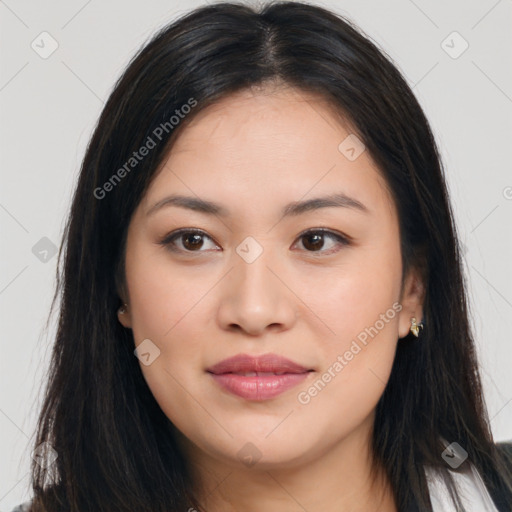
292,209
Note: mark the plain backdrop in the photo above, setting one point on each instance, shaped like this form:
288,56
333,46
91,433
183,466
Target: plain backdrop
49,105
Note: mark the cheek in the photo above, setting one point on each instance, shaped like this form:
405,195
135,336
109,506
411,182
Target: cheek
357,363
357,294
169,305
163,294
361,308
168,309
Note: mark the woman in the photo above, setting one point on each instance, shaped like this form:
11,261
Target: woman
262,303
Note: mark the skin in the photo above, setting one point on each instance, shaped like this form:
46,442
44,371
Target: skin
253,153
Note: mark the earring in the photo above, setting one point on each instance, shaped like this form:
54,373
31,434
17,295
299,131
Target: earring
122,309
415,328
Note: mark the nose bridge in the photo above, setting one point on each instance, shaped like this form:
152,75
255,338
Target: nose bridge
253,280
253,297
256,274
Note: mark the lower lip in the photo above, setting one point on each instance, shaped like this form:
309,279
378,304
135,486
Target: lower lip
258,388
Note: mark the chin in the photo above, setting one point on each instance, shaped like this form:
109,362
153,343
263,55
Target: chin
285,452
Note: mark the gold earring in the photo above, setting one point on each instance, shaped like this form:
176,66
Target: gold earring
415,328
122,309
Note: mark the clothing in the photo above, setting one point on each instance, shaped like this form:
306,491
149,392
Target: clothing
23,507
471,488
472,492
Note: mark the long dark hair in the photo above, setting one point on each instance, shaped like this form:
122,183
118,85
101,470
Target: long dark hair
116,449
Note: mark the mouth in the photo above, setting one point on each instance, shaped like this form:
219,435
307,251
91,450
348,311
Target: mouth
258,378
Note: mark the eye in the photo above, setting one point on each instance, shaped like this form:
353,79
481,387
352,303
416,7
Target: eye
186,240
190,240
314,240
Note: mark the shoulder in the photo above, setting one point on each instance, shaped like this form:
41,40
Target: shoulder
470,488
478,493
24,507
501,492
471,482
505,450
54,499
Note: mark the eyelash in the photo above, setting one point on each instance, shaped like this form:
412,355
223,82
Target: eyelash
169,241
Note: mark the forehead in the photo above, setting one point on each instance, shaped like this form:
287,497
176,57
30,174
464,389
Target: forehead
262,113
264,144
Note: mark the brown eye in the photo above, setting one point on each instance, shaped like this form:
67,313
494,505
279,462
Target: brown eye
192,241
315,241
187,240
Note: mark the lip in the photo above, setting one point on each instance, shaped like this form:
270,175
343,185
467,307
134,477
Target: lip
269,375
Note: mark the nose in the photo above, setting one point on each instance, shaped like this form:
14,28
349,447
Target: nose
255,298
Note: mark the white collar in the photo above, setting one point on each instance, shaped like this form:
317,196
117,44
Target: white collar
471,488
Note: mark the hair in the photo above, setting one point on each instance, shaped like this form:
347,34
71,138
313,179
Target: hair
116,449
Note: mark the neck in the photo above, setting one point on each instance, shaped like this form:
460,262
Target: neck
336,481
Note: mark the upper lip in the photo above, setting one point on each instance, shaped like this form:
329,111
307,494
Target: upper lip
269,363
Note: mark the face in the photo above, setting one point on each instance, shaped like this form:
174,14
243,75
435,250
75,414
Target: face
266,271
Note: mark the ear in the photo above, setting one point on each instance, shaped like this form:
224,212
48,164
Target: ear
413,293
125,318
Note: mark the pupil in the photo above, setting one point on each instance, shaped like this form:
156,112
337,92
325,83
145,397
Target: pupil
317,245
195,244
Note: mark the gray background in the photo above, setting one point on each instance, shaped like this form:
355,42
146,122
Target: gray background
49,107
